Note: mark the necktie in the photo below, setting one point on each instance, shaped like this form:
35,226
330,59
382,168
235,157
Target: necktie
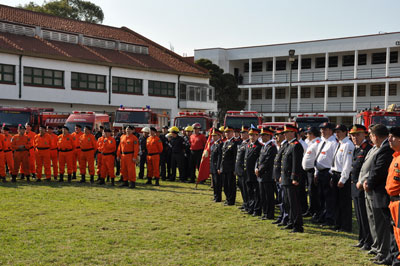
319,152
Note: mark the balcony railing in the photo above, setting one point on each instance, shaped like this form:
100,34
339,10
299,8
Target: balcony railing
362,73
317,107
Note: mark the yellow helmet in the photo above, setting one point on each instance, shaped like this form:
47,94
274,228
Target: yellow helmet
189,128
222,129
173,129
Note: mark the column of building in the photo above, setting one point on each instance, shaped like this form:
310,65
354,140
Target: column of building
298,79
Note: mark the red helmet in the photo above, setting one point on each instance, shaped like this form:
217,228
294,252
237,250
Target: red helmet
196,125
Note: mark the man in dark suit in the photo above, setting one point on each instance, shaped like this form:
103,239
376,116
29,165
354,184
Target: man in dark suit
250,158
290,179
239,166
376,182
227,166
264,168
215,160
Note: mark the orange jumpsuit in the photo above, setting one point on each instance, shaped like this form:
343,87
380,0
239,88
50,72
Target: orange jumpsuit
66,147
8,155
109,149
42,154
88,146
54,153
21,145
127,150
77,151
99,155
32,168
154,148
393,189
2,161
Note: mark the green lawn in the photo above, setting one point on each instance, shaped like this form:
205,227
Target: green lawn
174,224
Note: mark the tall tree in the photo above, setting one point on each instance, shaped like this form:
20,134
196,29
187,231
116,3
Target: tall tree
74,9
226,90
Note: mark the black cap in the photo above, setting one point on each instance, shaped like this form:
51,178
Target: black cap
153,129
42,126
88,127
49,127
165,127
341,128
130,127
313,130
101,127
107,130
6,128
78,126
21,127
327,125
395,131
65,127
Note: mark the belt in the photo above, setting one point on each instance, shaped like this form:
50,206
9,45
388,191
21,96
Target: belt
110,153
128,152
42,148
151,154
87,149
323,170
336,172
65,150
394,198
7,150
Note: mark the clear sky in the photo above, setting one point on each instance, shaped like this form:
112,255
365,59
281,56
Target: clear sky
186,25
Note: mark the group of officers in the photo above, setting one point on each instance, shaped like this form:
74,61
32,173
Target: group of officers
331,165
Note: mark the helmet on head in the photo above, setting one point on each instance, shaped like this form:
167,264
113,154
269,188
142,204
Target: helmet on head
146,130
173,129
189,128
196,126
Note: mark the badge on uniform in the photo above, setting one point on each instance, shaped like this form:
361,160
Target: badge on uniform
397,178
88,139
396,164
45,143
135,142
128,142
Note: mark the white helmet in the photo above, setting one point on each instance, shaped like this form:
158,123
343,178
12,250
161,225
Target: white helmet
146,129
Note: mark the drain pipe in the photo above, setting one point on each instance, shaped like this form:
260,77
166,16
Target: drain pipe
20,77
109,85
179,78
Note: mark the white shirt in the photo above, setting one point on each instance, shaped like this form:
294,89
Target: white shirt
343,159
304,144
324,159
310,154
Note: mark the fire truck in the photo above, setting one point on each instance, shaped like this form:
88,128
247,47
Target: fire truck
237,119
139,118
310,120
87,118
389,117
14,116
189,118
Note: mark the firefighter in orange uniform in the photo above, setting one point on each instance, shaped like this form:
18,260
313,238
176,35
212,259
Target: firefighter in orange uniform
128,151
66,148
41,144
8,155
393,184
53,151
88,145
20,144
2,160
154,148
109,149
31,135
77,151
99,156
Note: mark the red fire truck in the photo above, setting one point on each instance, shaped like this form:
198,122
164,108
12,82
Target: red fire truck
189,118
310,120
389,117
237,119
84,118
139,118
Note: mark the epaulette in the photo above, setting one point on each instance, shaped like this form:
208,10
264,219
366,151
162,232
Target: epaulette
318,141
295,142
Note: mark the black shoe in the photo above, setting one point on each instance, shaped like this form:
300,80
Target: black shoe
277,222
108,179
282,224
377,258
91,179
13,178
102,181
287,227
83,179
365,247
121,179
38,180
327,224
149,181
132,184
69,178
383,262
4,180
297,230
22,177
372,252
358,245
48,180
255,214
140,177
171,179
307,214
241,207
55,177
157,182
74,175
124,184
34,176
61,179
112,181
191,181
28,178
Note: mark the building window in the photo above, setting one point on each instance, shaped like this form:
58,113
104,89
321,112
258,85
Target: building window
245,94
255,67
333,61
43,77
361,90
332,92
305,92
126,85
160,88
269,65
268,93
182,92
392,89
380,58
7,73
347,91
394,56
306,63
362,59
347,120
319,92
82,81
280,93
379,90
293,93
295,64
210,94
256,94
348,60
320,62
281,65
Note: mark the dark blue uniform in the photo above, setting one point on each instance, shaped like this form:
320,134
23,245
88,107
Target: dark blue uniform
239,170
250,159
142,155
215,161
227,167
177,158
284,216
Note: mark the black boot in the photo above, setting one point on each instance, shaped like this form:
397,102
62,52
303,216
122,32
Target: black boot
13,178
38,180
3,179
74,175
61,178
148,181
28,178
69,178
157,182
34,176
108,179
22,177
124,184
132,184
91,179
83,179
98,178
112,181
101,182
55,177
121,179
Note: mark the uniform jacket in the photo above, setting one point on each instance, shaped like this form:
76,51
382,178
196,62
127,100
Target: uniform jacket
87,142
291,162
154,145
42,142
393,179
241,150
215,156
358,161
128,144
250,159
142,143
65,143
265,162
228,156
186,143
177,145
278,161
18,141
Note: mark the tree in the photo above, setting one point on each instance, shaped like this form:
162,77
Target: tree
74,9
226,90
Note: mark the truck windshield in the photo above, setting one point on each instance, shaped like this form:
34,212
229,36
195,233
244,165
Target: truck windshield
182,122
306,122
132,117
14,118
71,125
388,121
239,121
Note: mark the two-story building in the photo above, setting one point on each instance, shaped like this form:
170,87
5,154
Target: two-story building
48,61
336,77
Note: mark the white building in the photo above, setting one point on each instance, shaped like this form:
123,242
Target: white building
336,77
48,61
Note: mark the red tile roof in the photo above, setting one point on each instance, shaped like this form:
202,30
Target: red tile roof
159,58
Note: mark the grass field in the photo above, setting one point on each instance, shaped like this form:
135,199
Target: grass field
174,224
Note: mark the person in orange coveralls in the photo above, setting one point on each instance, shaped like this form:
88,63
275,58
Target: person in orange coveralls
154,148
88,145
393,186
66,147
31,135
20,144
109,149
99,156
128,151
53,151
2,160
8,155
77,151
41,144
